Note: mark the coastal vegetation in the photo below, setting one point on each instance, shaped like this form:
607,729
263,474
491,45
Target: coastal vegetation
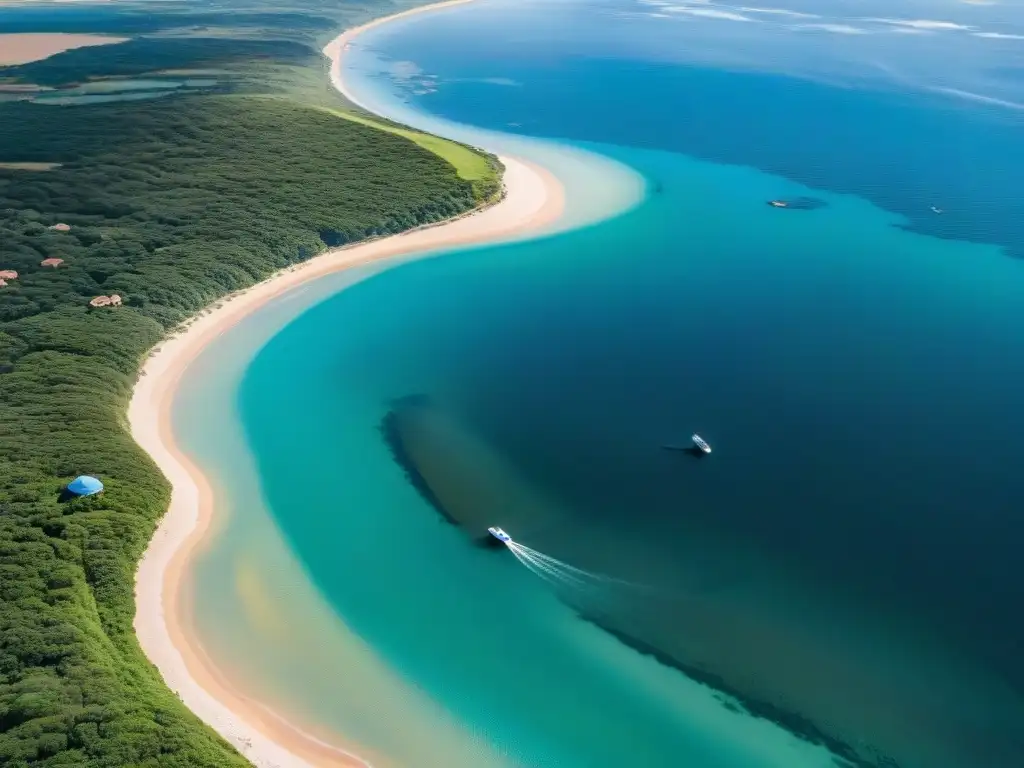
169,204
468,163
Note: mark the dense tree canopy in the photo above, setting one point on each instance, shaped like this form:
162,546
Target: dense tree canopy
171,204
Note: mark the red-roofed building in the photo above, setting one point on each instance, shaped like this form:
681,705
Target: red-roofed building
106,301
51,263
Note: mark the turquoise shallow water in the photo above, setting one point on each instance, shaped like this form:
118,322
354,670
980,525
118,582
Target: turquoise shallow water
843,565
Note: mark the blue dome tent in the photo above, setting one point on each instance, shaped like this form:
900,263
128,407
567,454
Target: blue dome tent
85,485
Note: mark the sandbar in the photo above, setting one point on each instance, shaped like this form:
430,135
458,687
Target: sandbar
24,47
533,199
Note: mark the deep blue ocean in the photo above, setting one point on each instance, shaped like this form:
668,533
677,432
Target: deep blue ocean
845,566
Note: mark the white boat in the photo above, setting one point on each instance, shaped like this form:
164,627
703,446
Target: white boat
500,535
701,443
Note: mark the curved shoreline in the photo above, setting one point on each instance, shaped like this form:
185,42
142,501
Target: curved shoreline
533,199
335,50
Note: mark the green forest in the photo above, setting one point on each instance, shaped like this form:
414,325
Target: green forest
144,55
170,204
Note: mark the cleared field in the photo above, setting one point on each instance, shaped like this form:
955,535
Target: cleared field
469,164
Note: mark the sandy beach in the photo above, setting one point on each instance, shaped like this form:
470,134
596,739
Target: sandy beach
533,199
32,46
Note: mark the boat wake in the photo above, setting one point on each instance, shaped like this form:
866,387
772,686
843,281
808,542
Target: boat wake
555,571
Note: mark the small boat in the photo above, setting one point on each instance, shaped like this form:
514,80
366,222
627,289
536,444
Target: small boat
701,443
778,204
936,210
503,537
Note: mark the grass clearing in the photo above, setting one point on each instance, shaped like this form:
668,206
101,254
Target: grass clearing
470,164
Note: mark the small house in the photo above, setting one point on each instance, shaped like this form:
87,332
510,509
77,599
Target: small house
106,301
51,263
